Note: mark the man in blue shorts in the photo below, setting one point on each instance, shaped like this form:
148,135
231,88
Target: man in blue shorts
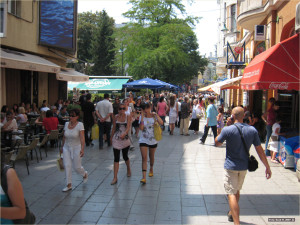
236,162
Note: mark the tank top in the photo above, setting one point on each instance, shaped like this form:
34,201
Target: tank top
117,142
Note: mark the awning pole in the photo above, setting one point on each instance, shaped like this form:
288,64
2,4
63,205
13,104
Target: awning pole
31,88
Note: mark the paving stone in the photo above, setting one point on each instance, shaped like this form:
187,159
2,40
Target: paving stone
116,212
94,207
87,216
140,219
168,215
108,220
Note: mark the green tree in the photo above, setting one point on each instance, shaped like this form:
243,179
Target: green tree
86,28
158,44
103,45
95,43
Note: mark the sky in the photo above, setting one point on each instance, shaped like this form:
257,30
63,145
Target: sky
206,30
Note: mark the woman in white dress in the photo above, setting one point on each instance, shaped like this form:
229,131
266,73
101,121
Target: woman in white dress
173,114
73,148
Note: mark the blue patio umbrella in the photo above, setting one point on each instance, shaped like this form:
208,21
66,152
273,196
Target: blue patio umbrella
168,85
146,83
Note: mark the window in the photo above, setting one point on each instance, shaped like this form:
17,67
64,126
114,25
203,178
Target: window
14,7
3,13
232,17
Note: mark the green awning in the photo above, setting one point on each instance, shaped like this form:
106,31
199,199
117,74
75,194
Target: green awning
113,84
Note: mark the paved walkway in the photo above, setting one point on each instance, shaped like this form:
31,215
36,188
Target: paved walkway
187,188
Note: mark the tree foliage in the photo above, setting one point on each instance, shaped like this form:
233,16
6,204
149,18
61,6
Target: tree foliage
95,42
159,44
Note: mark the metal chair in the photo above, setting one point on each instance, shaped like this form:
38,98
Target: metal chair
22,153
43,143
53,136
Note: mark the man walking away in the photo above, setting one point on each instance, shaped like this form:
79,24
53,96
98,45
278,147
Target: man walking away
236,162
185,117
211,120
154,102
89,118
104,111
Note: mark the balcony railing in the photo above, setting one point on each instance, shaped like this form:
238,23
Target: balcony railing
247,5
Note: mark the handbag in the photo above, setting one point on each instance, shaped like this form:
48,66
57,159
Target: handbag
29,217
199,115
252,162
60,163
95,132
157,130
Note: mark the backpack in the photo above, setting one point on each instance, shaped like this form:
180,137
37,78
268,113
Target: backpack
29,217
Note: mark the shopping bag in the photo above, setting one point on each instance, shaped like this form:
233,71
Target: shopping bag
60,163
95,132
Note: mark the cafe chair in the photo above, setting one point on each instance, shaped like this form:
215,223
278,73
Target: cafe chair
53,136
22,153
43,144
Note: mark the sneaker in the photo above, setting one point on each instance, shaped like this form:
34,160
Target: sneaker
85,179
131,148
67,189
201,142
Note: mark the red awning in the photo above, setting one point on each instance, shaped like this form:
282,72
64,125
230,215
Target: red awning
276,68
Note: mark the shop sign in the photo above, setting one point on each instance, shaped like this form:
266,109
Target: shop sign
278,85
98,83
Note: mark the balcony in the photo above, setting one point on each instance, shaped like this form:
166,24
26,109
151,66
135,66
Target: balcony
253,12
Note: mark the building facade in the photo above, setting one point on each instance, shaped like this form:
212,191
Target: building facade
38,39
277,18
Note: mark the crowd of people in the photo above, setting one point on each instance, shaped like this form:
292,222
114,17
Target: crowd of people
122,122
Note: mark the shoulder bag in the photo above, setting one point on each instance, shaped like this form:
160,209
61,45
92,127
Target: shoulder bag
157,130
252,162
29,217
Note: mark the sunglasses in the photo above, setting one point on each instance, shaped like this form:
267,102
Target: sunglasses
121,108
72,115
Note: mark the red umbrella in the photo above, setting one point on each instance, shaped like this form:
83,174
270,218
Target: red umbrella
275,68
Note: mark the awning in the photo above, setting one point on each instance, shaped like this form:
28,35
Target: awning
67,74
23,61
100,84
275,68
206,88
232,83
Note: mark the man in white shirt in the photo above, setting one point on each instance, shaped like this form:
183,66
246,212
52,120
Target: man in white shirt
44,107
104,111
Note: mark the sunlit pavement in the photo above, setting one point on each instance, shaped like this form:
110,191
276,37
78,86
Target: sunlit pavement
187,188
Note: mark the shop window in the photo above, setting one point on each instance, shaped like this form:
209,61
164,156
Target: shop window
14,7
3,18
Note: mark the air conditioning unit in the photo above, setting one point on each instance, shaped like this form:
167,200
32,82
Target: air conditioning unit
297,18
260,33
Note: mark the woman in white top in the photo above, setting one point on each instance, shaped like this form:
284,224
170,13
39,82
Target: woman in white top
173,114
195,120
22,117
147,139
73,148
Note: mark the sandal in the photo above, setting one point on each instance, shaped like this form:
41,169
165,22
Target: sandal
114,182
230,218
143,181
150,174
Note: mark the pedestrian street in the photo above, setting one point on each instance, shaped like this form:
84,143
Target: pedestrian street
187,188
